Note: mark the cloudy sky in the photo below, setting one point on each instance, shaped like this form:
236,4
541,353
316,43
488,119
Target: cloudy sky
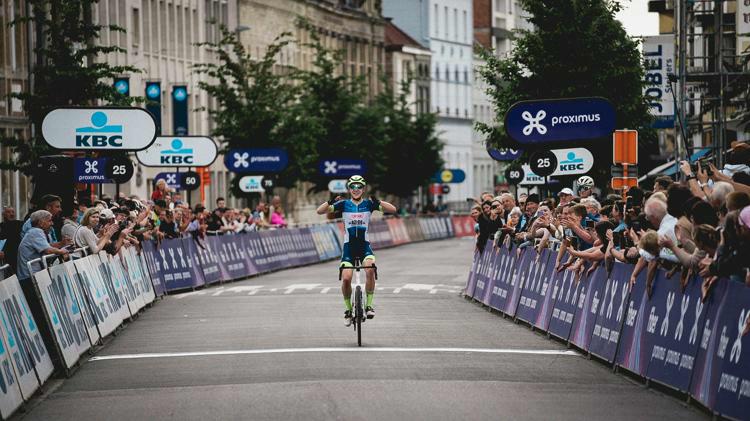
637,20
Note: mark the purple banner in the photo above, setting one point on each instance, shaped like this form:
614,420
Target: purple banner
609,320
191,256
306,246
258,252
631,339
672,338
705,372
502,288
483,273
173,265
534,289
520,273
547,303
154,268
471,282
567,292
588,307
730,367
208,260
379,234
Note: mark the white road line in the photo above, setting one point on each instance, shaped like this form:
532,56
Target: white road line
325,290
311,350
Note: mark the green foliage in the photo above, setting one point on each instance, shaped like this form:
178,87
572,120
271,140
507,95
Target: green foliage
71,70
577,49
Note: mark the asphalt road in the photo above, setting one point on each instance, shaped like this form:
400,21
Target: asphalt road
274,347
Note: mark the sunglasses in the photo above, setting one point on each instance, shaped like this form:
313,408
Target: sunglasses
494,206
356,187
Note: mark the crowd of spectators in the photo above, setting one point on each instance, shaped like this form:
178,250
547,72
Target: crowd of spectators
106,224
698,226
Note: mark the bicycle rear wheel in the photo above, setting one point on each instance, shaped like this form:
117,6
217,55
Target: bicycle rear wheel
358,314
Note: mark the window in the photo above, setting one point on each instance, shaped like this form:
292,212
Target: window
464,24
455,24
136,25
435,20
445,21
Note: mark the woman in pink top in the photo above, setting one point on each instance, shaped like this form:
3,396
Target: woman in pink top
277,218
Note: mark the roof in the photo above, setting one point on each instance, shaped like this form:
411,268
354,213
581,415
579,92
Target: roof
395,38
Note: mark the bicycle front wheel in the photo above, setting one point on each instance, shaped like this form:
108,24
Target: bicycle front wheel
358,314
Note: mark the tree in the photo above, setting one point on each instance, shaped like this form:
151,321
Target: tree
70,70
254,101
577,49
412,145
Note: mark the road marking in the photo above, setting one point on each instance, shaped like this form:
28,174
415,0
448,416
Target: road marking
325,290
291,288
312,350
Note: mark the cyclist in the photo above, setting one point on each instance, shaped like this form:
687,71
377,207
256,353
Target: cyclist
356,213
585,186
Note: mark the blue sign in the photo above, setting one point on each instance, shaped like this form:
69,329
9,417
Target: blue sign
449,176
173,179
153,91
504,154
122,86
256,160
153,105
541,122
180,110
342,167
91,171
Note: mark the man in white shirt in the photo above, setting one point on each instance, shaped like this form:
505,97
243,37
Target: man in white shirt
656,213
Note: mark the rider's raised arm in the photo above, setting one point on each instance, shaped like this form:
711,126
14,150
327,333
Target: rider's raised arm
386,207
333,205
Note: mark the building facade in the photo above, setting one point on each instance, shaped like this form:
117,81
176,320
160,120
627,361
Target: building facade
407,60
446,28
15,188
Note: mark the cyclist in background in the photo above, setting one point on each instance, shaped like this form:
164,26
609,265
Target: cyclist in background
356,213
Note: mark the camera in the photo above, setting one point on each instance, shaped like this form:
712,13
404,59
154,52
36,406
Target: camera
704,165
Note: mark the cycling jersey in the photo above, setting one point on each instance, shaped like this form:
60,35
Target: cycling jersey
356,220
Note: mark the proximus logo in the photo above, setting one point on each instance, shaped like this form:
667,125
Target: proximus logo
534,122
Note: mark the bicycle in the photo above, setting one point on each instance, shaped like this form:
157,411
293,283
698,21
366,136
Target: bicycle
358,315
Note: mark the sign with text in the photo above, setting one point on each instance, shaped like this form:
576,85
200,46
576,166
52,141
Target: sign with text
504,154
122,129
173,179
529,178
573,161
187,151
342,167
91,171
337,186
557,120
251,184
256,160
658,57
450,176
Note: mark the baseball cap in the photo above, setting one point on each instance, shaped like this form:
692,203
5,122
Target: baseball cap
106,214
745,217
533,198
566,191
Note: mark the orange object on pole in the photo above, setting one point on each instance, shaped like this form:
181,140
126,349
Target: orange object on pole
619,183
625,147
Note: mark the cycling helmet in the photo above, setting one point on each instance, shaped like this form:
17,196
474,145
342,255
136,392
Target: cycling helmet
585,182
356,179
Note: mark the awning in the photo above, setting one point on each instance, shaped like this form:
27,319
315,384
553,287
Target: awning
670,168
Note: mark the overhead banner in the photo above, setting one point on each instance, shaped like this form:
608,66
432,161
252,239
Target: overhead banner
153,102
256,160
342,167
503,155
186,151
558,120
121,129
122,85
573,161
180,110
173,179
659,62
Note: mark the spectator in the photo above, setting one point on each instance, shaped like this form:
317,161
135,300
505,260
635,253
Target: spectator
221,203
489,226
53,205
35,244
662,184
566,196
656,213
86,233
277,218
168,227
737,200
10,231
160,190
70,222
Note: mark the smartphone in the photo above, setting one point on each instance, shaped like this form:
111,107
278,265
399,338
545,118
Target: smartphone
590,223
636,225
617,238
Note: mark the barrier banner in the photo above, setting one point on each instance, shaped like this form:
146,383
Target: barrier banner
258,252
97,297
547,300
379,234
272,251
173,265
64,316
68,271
566,303
463,226
29,355
306,246
525,260
10,392
502,289
588,307
150,295
493,273
133,293
414,228
399,235
534,288
609,320
705,372
427,228
729,383
207,260
103,275
232,263
631,339
290,240
154,267
326,241
471,282
484,273
676,318
135,270
448,223
191,258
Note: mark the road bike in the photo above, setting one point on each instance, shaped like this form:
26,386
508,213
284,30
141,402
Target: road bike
358,313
